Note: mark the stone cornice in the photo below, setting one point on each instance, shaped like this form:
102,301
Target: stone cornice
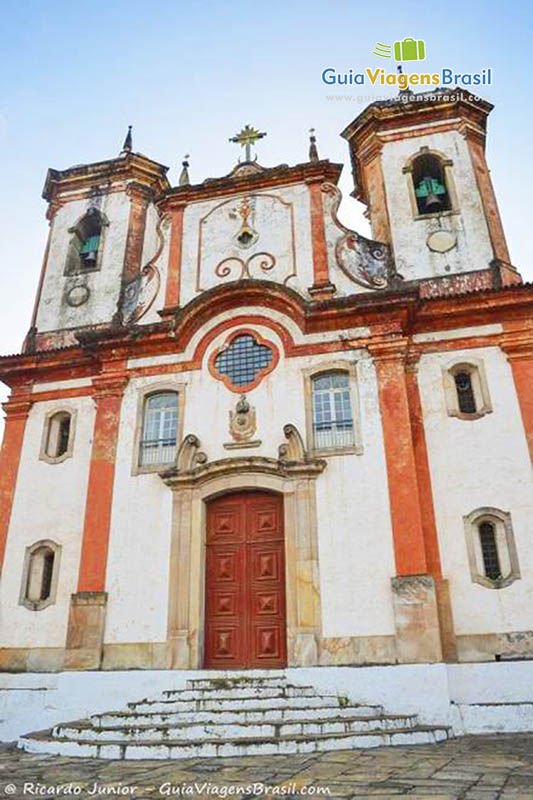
82,178
518,344
243,466
388,315
269,178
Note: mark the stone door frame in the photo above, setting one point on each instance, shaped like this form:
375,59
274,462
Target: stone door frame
194,482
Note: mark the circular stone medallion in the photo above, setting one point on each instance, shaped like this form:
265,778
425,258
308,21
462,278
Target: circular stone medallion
441,241
78,295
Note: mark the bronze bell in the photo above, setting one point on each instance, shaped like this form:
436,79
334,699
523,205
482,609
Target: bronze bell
433,202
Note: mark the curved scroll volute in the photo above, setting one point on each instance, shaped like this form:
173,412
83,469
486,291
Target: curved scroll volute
189,454
294,449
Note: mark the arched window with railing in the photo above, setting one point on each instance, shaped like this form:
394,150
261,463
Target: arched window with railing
333,422
158,443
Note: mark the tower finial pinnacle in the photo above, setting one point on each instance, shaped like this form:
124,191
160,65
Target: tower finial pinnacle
313,152
184,176
128,142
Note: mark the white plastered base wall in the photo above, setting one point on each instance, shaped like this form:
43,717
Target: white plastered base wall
473,698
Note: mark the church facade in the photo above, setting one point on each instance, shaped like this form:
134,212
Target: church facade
242,435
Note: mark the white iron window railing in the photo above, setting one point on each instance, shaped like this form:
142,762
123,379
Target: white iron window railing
332,411
160,427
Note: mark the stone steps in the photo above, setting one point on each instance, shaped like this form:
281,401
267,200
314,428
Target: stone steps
84,731
228,703
44,742
237,715
120,719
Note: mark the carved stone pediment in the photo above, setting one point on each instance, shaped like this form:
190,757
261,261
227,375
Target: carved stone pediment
193,466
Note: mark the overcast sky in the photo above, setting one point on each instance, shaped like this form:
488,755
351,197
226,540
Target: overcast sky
189,75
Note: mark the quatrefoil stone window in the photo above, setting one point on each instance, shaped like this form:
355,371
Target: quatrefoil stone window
243,361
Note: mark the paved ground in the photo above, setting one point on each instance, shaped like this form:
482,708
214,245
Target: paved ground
470,768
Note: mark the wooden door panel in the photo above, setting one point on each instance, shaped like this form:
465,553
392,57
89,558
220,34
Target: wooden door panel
227,524
266,563
225,645
245,582
266,603
267,644
264,521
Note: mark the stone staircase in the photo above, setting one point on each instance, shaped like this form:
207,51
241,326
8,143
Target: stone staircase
238,715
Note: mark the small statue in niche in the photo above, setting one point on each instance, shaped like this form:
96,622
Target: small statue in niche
242,422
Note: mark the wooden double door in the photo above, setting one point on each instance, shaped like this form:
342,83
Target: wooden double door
245,620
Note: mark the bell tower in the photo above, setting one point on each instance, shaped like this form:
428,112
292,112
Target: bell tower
419,165
101,216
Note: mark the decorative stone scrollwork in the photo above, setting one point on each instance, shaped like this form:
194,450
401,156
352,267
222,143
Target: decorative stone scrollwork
193,468
189,454
264,261
364,261
139,295
293,449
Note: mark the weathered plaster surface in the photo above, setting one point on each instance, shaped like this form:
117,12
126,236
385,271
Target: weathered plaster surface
413,258
478,463
49,504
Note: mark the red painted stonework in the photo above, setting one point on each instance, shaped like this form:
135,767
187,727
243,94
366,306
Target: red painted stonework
93,563
405,507
135,237
17,409
172,294
318,235
518,346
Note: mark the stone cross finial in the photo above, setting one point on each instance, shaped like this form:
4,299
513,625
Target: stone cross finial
247,138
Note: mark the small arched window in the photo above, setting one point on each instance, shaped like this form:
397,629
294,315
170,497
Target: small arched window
160,428
58,436
465,392
39,581
333,424
466,389
491,548
85,245
429,180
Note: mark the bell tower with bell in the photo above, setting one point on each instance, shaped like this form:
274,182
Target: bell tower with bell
419,166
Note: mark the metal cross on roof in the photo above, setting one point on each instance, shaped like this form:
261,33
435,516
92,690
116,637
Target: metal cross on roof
247,138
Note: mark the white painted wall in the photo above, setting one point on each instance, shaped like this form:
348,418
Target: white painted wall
104,284
355,539
355,533
273,223
412,256
451,693
49,503
139,544
479,463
